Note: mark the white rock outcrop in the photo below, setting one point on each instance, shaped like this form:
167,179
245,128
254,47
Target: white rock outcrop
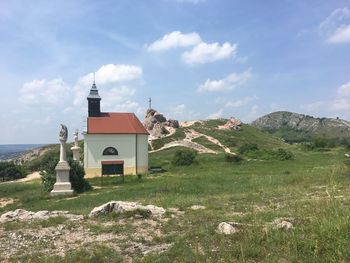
157,125
123,206
24,215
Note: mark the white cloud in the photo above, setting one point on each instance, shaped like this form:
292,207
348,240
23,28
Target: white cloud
241,102
119,99
206,53
232,81
112,73
341,35
181,112
178,109
106,75
344,89
216,115
175,39
336,27
342,101
44,92
340,104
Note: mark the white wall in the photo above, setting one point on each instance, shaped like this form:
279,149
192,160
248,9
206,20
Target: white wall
142,150
94,144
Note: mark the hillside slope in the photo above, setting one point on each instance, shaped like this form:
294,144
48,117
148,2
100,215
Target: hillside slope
210,135
288,124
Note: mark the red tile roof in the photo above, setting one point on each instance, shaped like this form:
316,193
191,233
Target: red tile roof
115,123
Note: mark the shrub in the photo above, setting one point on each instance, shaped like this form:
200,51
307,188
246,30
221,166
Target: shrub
283,155
184,157
76,175
307,146
11,171
248,147
230,158
320,143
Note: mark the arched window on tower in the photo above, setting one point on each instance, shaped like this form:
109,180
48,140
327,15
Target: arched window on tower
110,151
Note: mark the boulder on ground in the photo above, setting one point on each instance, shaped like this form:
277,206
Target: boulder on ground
123,207
283,223
228,228
197,207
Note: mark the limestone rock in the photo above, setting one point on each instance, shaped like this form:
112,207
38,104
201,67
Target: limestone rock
197,207
232,124
24,215
299,122
283,223
159,130
157,125
122,207
173,123
228,228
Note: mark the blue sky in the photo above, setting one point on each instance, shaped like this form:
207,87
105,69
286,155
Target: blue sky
197,59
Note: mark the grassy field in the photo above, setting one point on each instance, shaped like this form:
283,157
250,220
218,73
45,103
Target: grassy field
312,189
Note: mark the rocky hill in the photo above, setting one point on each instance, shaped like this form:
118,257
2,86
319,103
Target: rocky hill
288,123
157,125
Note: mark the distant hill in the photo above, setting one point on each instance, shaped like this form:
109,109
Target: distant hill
299,127
10,151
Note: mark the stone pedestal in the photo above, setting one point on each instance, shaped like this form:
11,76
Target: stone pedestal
62,185
76,154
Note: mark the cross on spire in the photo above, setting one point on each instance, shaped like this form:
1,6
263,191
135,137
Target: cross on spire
150,103
94,78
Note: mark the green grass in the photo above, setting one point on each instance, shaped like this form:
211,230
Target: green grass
312,189
178,135
205,142
234,139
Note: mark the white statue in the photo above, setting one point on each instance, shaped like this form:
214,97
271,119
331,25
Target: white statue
75,149
63,133
76,142
62,185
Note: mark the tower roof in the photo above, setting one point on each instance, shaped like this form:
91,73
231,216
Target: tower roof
94,92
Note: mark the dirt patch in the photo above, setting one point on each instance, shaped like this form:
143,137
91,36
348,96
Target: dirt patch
186,124
6,201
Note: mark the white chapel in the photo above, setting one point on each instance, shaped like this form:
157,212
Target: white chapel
114,142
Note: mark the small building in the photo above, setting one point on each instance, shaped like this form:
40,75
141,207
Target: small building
114,143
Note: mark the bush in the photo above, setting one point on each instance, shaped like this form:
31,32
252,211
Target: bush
320,143
307,146
184,157
248,148
11,171
283,155
76,175
230,158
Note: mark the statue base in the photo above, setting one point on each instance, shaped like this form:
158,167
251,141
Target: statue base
76,154
62,185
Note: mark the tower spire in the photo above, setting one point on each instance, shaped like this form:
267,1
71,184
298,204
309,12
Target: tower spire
150,103
94,101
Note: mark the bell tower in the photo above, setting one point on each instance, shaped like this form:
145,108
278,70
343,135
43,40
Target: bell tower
94,101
